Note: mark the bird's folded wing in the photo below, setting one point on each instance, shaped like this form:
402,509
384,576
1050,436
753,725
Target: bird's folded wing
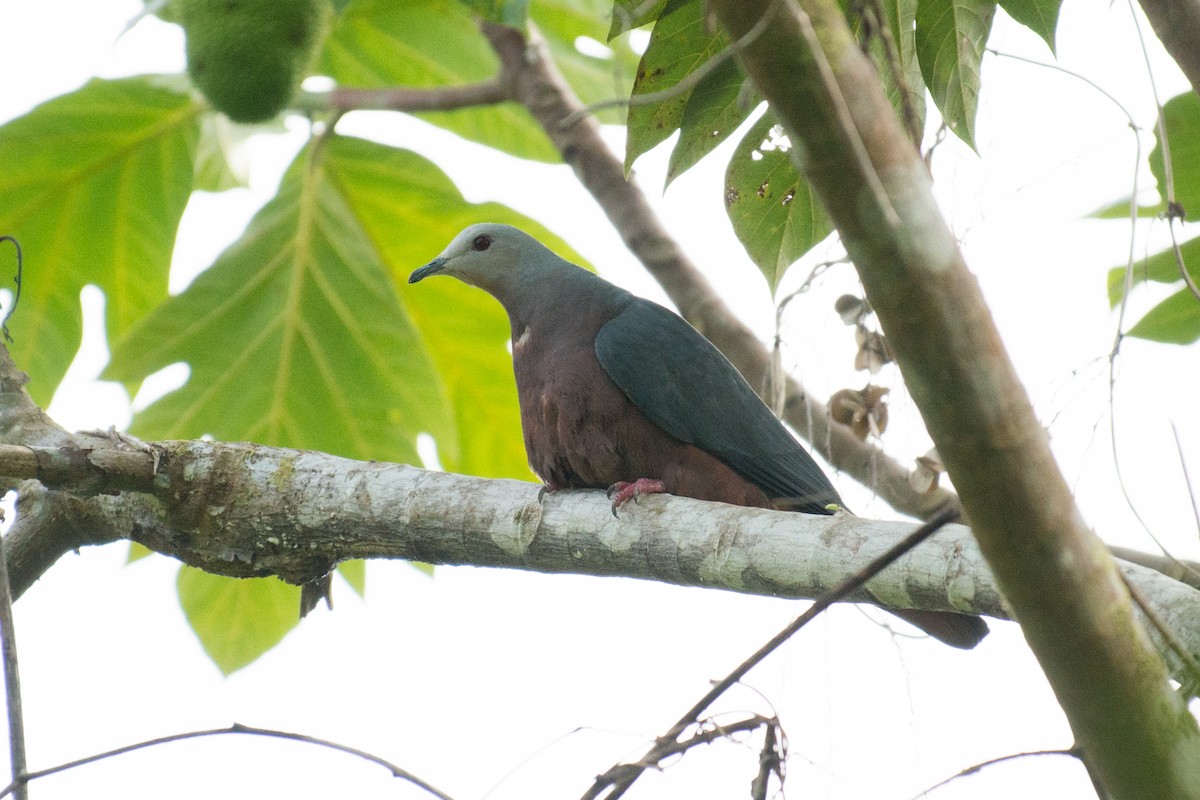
685,386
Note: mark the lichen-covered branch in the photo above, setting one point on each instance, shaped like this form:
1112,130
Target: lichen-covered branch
247,510
1136,733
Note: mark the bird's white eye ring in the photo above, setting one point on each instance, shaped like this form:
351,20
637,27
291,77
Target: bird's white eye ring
482,242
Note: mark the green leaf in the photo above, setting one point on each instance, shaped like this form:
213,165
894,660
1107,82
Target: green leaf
429,43
714,111
355,573
594,79
137,552
773,210
900,16
1175,320
630,14
1181,116
507,12
1159,268
219,165
295,338
1120,210
409,210
1040,16
679,44
950,38
93,186
237,619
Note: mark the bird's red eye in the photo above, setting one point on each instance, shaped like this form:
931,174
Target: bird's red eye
482,242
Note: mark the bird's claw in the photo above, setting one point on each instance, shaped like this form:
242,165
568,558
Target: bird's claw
622,492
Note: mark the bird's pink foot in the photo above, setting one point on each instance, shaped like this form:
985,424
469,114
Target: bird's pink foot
622,492
547,488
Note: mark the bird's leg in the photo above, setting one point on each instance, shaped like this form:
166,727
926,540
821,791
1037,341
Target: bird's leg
547,488
622,492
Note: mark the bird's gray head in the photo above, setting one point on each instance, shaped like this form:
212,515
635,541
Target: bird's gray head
491,256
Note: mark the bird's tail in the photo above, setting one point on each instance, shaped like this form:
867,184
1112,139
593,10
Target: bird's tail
957,630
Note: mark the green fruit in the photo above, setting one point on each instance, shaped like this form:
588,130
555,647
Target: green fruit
248,56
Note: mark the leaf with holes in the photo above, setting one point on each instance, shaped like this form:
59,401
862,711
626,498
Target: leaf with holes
774,212
679,44
950,37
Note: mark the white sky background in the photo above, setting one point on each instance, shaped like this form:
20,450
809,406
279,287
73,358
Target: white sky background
477,680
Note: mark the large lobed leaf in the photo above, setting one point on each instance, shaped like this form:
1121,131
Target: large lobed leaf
950,37
594,79
297,336
93,186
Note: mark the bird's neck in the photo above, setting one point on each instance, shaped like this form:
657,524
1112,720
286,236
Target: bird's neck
554,301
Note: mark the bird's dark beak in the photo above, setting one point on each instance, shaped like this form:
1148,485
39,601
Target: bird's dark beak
432,268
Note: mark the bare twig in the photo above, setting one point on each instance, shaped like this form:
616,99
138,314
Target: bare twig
622,776
1073,752
12,682
237,728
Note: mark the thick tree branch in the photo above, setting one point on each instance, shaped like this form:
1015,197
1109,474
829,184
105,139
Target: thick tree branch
537,84
1136,733
249,511
1177,25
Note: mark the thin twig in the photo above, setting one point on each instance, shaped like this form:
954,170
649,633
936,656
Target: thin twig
405,98
1172,214
1164,630
622,776
685,84
1128,288
912,121
12,683
1073,752
237,728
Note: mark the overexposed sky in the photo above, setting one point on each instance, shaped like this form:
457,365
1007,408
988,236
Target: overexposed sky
502,685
